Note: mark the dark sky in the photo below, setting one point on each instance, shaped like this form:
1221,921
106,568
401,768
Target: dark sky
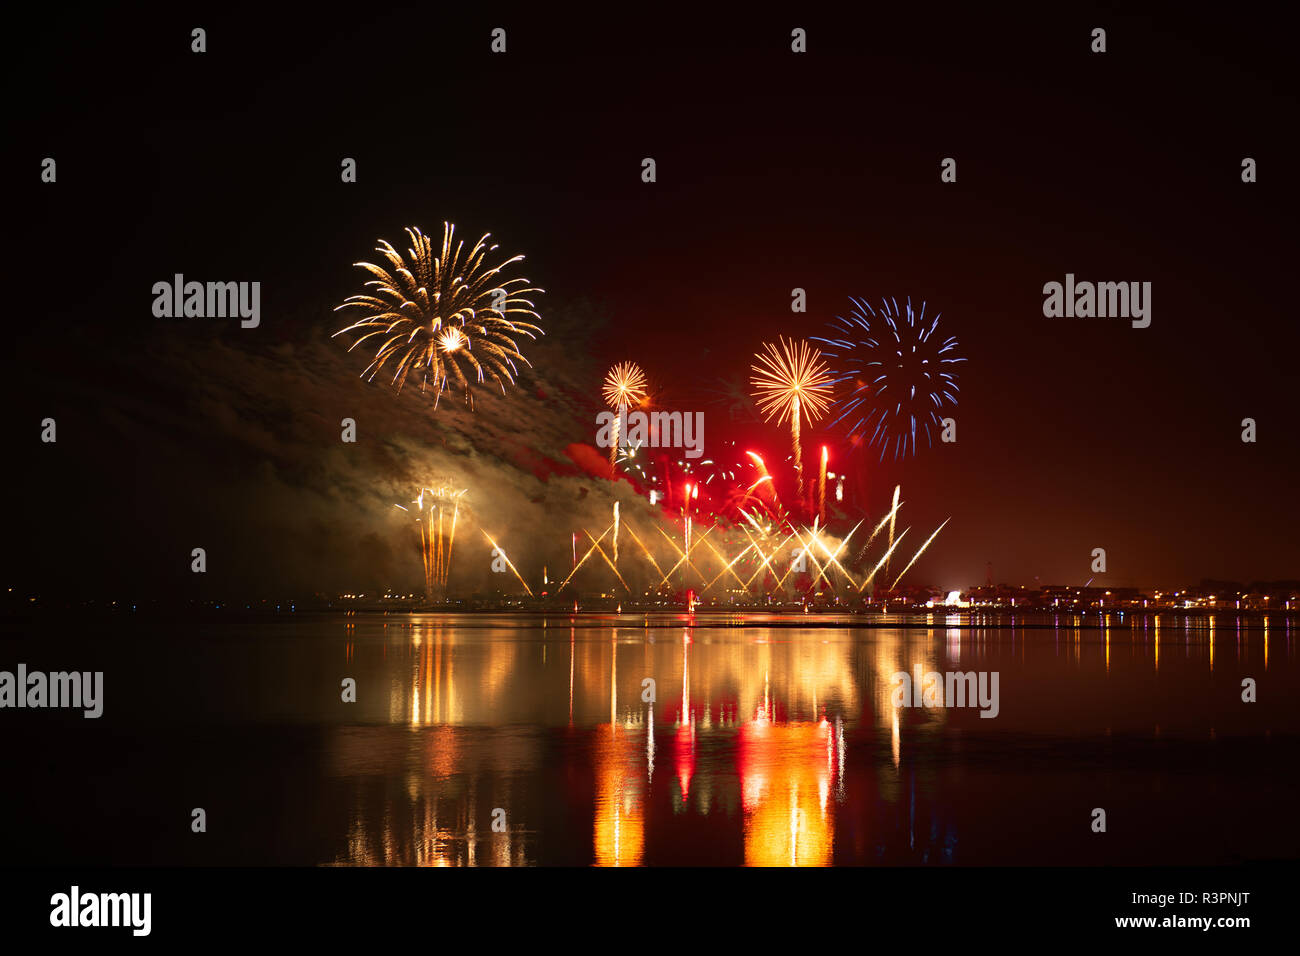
775,171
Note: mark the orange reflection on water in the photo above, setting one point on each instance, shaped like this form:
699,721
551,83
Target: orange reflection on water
619,837
785,777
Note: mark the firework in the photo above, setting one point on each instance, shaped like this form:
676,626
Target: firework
625,385
791,382
436,512
883,561
496,547
601,551
919,552
888,519
763,534
821,490
649,557
685,558
590,551
901,374
816,537
727,568
893,511
448,318
616,524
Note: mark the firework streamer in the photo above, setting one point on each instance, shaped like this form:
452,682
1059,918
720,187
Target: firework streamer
832,557
883,560
729,566
686,524
625,386
765,558
437,533
510,565
616,523
791,382
685,555
893,511
448,318
900,371
726,566
590,551
920,551
889,516
601,551
821,490
649,557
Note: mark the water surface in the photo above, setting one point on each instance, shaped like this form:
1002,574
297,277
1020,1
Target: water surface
770,741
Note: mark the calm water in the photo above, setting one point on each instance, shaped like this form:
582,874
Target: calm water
771,741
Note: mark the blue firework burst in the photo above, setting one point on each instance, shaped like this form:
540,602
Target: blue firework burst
900,374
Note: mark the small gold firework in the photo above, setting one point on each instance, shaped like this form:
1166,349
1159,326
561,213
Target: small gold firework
625,385
449,318
790,383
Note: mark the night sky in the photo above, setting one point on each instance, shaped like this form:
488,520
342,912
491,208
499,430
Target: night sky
775,171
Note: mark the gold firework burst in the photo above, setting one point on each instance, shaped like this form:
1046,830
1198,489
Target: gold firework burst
450,319
625,385
792,382
789,380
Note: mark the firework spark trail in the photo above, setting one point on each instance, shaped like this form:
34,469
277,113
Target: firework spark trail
625,385
893,510
821,490
424,554
766,557
731,564
790,383
577,564
437,551
447,318
764,561
815,538
435,546
763,477
750,518
900,373
616,524
832,557
767,562
919,552
879,564
887,519
509,564
692,491
601,551
726,565
685,555
669,573
763,534
807,553
451,538
648,555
